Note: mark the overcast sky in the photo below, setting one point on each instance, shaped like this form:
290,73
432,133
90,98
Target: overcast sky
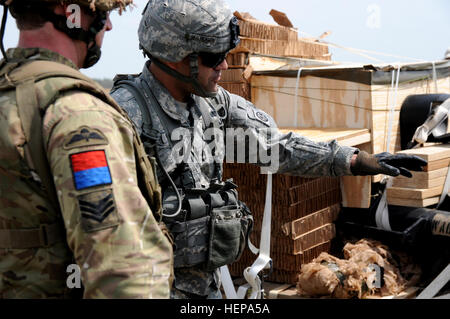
418,29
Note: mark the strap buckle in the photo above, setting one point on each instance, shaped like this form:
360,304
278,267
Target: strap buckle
43,236
154,137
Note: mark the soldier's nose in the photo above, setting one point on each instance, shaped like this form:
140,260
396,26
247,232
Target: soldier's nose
222,66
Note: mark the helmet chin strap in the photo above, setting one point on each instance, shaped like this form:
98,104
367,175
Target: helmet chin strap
93,54
192,79
88,36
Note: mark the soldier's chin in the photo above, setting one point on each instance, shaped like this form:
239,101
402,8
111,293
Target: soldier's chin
207,92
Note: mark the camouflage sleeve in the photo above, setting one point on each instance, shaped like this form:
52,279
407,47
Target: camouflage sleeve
284,153
115,239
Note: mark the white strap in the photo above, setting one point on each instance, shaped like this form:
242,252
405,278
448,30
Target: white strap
227,283
262,262
252,247
295,97
435,77
392,106
436,285
382,213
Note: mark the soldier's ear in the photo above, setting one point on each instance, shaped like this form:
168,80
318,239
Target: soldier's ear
181,66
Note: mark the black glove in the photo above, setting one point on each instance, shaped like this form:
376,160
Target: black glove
386,163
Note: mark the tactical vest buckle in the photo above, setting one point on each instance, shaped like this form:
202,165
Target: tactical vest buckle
43,236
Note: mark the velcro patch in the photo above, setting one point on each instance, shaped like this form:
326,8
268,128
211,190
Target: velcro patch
85,136
90,169
98,210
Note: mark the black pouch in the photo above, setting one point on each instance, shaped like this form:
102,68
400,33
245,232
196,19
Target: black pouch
225,236
246,228
191,240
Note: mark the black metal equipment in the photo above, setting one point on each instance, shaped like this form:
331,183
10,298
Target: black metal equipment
412,232
415,111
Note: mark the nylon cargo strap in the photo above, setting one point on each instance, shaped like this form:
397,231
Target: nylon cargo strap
44,236
382,212
251,274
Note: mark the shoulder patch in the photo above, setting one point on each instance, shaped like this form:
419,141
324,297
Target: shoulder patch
258,115
98,210
90,169
262,116
85,136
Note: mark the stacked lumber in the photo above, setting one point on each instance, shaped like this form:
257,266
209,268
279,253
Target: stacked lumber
280,40
303,212
269,39
424,188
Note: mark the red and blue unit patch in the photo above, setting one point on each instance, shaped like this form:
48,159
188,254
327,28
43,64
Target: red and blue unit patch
90,169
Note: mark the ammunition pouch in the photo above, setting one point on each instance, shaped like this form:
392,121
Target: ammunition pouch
191,241
213,228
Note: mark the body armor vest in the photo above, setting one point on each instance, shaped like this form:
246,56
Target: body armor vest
212,226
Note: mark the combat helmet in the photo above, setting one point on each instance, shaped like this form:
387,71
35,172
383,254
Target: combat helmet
104,5
99,7
171,30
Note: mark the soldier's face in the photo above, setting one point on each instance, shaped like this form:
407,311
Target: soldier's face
209,77
99,37
101,34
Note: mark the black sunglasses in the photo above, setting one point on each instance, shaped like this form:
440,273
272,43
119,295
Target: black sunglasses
212,60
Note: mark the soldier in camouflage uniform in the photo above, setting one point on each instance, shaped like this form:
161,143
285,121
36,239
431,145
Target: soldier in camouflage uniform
176,101
76,186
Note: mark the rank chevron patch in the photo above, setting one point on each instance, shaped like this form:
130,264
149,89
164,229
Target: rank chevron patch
98,210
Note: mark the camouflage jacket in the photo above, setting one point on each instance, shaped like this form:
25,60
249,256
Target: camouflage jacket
107,229
202,148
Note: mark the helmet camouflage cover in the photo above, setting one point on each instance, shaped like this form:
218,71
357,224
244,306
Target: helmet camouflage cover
104,5
173,29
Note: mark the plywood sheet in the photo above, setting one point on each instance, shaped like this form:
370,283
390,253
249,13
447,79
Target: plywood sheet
428,179
413,202
430,153
414,193
437,164
301,226
320,102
